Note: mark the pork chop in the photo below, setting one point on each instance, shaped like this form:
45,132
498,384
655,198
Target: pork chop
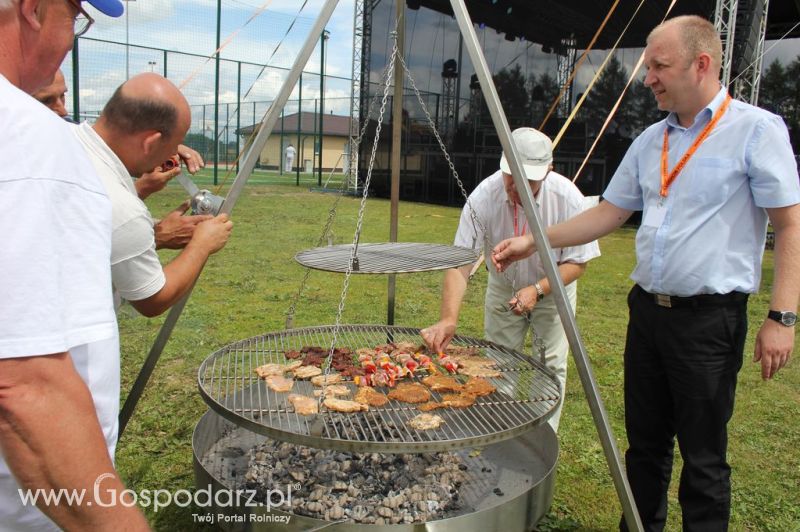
270,369
303,405
306,372
367,395
278,383
479,387
458,400
442,383
342,405
333,390
329,379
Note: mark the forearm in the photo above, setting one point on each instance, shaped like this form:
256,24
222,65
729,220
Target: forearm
453,289
786,286
587,226
569,272
180,274
51,439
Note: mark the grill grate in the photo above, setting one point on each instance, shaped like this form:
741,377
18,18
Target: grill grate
526,394
392,257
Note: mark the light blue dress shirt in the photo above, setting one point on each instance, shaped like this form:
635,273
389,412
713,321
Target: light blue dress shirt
709,236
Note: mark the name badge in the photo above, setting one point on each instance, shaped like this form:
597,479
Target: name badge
654,215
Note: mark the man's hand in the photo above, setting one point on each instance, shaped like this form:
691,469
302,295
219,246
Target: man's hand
213,234
190,158
154,181
524,301
438,335
774,344
512,249
176,230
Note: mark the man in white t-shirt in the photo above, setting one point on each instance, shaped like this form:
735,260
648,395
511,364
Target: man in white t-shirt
140,127
524,292
59,351
289,157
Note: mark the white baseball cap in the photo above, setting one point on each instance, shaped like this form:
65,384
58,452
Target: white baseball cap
535,150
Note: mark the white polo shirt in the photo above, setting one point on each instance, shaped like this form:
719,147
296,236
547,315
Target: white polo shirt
135,268
55,281
558,200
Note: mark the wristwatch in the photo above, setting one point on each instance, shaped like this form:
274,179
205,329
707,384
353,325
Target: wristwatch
539,291
784,317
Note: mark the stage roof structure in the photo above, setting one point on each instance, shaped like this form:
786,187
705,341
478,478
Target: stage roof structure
547,22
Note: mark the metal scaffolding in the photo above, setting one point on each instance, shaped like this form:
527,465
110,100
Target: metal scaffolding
725,22
361,54
448,123
743,27
749,48
566,55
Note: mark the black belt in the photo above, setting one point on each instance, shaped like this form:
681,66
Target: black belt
700,300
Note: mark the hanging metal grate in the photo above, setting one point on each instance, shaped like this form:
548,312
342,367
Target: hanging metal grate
527,392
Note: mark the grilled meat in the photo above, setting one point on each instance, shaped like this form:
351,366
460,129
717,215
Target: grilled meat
410,393
426,422
303,405
342,405
278,383
368,396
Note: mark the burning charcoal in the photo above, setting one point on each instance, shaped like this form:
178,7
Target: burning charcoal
336,513
369,488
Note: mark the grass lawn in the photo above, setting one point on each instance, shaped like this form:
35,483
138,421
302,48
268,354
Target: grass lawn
247,288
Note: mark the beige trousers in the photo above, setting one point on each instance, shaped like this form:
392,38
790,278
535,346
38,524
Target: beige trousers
510,330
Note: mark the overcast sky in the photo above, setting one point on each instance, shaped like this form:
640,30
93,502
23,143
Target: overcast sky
189,26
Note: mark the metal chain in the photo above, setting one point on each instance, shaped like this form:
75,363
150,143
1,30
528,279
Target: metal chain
442,147
362,208
326,232
537,344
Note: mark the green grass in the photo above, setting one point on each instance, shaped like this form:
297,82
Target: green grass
247,288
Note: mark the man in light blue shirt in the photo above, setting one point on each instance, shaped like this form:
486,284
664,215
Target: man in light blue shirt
708,178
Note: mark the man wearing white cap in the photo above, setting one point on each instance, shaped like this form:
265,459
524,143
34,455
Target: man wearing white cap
522,294
59,348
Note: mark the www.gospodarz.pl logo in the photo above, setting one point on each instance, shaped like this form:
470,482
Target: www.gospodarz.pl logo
207,497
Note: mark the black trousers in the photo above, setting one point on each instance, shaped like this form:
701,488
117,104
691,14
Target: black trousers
681,366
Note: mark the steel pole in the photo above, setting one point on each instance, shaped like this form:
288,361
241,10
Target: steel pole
298,153
76,82
238,109
323,38
545,253
216,94
246,168
397,131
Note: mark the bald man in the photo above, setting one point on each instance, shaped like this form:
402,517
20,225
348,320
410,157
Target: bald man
59,349
53,96
140,127
176,229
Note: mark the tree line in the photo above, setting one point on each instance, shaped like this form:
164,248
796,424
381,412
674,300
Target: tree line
526,101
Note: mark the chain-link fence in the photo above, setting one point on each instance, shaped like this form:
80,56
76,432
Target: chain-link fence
230,94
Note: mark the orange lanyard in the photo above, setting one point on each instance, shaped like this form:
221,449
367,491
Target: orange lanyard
668,177
516,227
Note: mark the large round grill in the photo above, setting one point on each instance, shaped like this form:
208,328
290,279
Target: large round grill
388,257
527,392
